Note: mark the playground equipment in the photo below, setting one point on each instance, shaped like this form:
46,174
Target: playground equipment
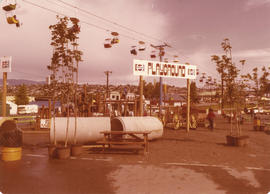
176,117
138,124
88,129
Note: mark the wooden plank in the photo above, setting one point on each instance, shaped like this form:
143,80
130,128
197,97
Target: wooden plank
125,132
121,142
36,132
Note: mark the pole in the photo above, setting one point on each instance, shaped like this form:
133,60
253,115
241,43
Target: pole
161,53
160,83
107,73
4,96
141,96
188,104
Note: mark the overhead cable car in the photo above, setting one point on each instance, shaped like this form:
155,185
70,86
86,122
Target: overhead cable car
133,51
115,38
141,46
175,59
153,54
162,52
9,8
107,43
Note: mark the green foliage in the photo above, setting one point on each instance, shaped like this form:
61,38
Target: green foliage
231,90
193,93
259,84
151,91
65,58
21,97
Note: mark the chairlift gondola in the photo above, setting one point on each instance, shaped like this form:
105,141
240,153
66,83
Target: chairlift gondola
153,54
141,48
162,53
141,45
9,8
115,39
175,59
133,50
107,43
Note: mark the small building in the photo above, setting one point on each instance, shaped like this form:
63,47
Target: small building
130,96
13,108
115,95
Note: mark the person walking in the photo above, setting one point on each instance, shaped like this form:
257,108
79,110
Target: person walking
211,116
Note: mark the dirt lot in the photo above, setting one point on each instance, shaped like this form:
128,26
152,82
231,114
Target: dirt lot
179,162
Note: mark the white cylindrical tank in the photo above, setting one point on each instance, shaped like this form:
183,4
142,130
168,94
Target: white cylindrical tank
151,124
88,129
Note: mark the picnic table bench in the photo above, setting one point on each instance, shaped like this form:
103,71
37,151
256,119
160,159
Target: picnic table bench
126,138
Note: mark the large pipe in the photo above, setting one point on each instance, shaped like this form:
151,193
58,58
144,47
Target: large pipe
88,129
151,124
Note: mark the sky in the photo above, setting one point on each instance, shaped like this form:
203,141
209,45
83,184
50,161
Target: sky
194,29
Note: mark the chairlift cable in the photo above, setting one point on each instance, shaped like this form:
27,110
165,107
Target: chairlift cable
90,24
109,21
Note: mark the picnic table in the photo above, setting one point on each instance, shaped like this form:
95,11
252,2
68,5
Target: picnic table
126,138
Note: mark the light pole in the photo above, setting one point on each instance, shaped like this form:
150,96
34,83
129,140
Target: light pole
161,54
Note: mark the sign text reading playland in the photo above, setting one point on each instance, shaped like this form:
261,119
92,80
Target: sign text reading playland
161,69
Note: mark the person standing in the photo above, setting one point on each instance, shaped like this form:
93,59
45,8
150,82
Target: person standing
211,116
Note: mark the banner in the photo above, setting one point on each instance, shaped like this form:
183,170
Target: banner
5,64
162,69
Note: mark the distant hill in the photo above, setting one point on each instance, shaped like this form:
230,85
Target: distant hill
14,82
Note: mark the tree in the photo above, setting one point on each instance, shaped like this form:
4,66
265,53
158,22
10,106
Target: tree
193,93
222,64
21,97
148,90
151,91
260,85
64,63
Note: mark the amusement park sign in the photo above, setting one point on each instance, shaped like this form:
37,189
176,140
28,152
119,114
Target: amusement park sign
5,64
162,69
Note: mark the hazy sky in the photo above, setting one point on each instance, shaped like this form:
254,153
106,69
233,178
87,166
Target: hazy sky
194,28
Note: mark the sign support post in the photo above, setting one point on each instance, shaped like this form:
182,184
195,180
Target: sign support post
5,67
4,96
169,70
188,104
141,96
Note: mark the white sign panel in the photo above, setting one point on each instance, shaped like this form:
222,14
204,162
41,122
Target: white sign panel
5,64
162,69
44,123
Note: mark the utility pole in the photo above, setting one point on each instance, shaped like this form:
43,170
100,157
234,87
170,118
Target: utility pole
141,96
161,54
4,109
107,73
188,104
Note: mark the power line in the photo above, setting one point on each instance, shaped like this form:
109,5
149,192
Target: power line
90,24
85,22
109,21
96,26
